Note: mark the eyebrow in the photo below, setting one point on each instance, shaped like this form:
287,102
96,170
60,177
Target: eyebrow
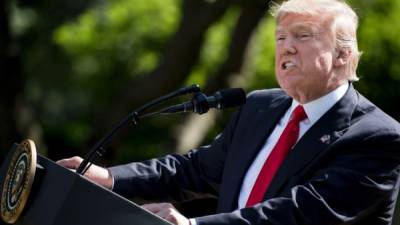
306,26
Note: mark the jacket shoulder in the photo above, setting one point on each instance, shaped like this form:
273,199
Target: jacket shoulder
265,96
370,121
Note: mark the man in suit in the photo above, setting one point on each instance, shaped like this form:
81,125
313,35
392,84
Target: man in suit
314,152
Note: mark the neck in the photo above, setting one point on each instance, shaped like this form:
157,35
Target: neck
304,97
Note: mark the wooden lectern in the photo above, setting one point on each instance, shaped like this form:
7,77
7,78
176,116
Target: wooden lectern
59,196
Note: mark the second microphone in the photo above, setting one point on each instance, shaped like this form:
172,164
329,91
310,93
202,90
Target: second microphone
201,103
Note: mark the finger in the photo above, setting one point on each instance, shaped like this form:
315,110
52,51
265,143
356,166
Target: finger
158,207
170,214
71,163
163,210
172,217
153,207
167,213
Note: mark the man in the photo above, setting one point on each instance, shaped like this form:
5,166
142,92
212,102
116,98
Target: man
314,152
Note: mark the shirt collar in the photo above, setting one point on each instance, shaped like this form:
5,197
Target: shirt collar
318,107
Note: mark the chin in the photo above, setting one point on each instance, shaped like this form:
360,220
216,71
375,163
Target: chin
287,87
290,87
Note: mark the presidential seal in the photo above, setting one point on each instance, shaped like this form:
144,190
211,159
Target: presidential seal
18,182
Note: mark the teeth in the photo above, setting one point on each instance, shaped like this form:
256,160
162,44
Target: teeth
287,65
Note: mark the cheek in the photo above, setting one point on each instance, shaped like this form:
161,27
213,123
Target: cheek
277,59
325,62
277,68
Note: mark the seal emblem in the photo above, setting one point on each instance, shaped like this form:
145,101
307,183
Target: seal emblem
18,182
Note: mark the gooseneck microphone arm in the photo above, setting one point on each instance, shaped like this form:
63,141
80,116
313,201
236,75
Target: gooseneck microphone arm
98,149
182,91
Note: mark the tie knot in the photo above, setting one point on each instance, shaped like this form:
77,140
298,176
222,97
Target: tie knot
298,114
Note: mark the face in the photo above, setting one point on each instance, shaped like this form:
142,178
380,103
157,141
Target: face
305,57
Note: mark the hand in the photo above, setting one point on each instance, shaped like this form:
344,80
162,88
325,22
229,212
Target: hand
168,212
95,173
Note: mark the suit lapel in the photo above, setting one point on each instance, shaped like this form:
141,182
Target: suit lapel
325,131
261,125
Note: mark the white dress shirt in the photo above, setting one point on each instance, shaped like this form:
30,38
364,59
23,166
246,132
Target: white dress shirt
314,110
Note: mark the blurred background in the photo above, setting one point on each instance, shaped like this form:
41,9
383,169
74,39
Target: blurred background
71,69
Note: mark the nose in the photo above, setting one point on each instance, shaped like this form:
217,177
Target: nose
288,47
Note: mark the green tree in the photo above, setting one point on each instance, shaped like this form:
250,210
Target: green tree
72,69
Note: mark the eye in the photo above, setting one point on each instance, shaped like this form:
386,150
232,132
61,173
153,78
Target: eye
280,38
303,36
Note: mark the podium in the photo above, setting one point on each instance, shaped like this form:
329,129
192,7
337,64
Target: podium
59,196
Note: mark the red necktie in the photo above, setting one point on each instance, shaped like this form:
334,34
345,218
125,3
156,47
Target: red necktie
285,143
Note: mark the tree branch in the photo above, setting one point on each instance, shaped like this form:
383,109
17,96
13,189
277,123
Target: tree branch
251,14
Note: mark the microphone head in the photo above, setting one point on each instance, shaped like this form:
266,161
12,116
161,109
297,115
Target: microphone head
231,97
194,88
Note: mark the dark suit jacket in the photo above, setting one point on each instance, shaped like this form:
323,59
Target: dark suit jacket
344,170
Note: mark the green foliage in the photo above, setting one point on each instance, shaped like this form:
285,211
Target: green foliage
104,47
379,41
121,39
21,20
259,65
76,70
215,48
261,56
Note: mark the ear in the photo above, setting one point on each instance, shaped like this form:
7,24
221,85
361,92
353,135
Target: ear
342,56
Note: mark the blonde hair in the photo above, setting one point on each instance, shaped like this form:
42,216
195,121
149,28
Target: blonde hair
344,24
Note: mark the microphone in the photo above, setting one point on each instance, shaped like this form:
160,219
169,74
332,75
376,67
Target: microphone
201,103
98,150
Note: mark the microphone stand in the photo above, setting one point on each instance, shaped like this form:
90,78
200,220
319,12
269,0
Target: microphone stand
98,149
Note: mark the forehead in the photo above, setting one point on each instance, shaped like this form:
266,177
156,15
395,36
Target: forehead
294,22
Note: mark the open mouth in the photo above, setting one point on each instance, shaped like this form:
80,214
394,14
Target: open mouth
287,65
